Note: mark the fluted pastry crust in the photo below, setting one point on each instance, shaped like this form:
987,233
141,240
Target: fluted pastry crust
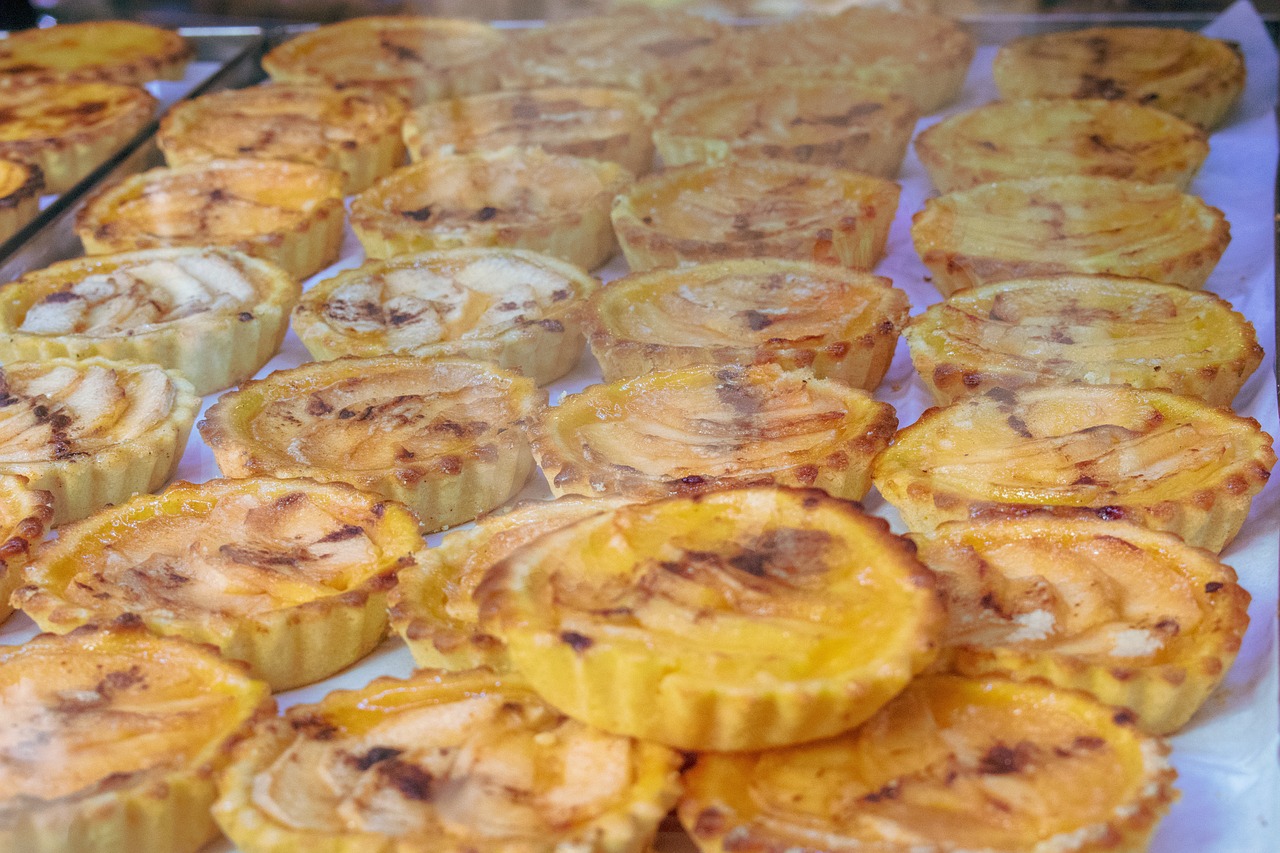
103,51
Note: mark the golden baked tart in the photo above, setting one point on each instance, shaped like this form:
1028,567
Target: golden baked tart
739,619
92,432
431,604
1136,617
69,129
289,576
20,188
350,131
581,121
415,58
821,121
841,324
1192,76
753,209
287,213
516,198
214,315
443,436
1010,140
112,739
25,513
518,308
442,763
1073,224
952,765
1159,459
1074,328
100,51
706,427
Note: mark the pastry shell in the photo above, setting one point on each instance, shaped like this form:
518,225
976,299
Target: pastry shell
755,208
24,516
20,188
97,51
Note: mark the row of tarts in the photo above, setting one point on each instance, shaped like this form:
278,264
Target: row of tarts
773,632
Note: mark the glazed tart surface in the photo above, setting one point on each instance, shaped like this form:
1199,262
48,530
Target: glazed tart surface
104,51
738,619
1094,329
20,188
25,514
1073,224
1184,73
515,198
353,132
1011,140
111,740
950,765
418,59
1158,459
443,762
443,436
213,315
674,432
841,324
516,307
755,208
1134,616
287,213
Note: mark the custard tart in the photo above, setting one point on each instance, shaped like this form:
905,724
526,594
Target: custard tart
213,315
289,576
99,51
516,198
350,131
287,213
952,765
581,121
841,324
431,604
92,432
1136,617
69,129
518,308
753,209
1192,76
706,427
415,58
25,513
112,739
1095,329
20,188
1072,224
1011,140
443,436
739,619
1161,460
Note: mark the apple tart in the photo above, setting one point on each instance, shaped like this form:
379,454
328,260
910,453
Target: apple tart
287,213
1152,457
517,198
432,608
112,739
1011,140
69,129
20,188
92,432
1072,224
213,315
25,513
841,324
1192,76
739,619
1095,329
707,427
753,209
952,765
443,436
98,51
350,131
1136,617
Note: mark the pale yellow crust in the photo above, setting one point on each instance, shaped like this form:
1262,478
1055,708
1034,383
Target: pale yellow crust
1099,330
755,208
20,187
99,51
1070,224
25,515
841,324
213,315
515,198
